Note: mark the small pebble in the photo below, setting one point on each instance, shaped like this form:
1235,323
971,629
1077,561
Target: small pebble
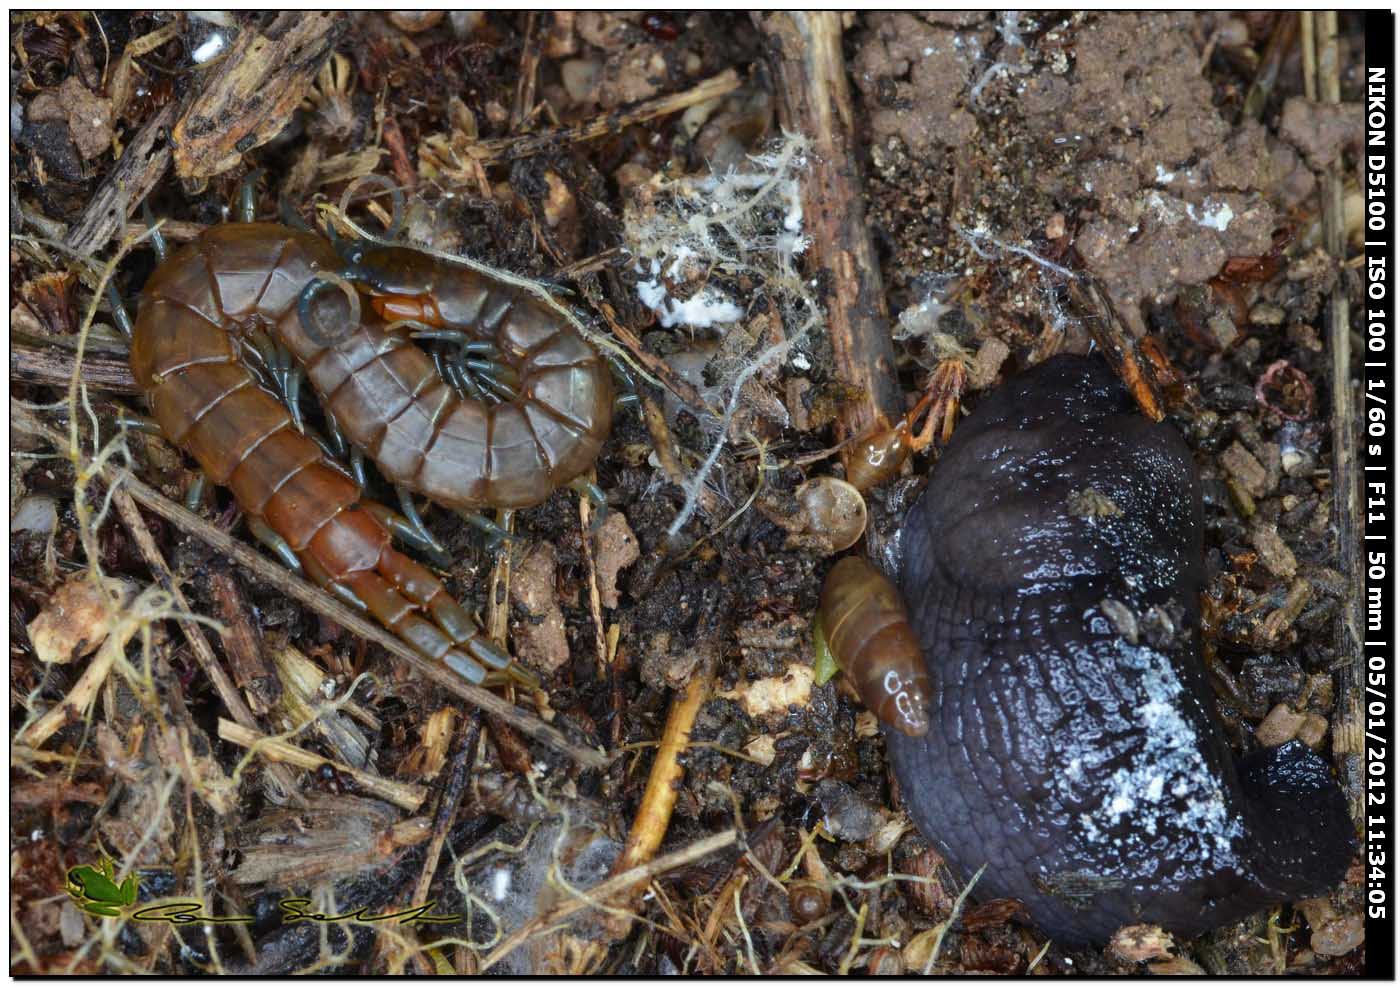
414,21
1273,553
1313,729
1279,726
1222,327
1248,471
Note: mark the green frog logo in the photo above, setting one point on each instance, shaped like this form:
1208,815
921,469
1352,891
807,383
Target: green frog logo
95,889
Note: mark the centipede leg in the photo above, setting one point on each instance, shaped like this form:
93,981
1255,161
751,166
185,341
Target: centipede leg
339,446
357,468
290,216
119,312
596,496
195,493
496,536
399,526
623,374
460,380
293,396
158,244
322,578
498,387
274,542
136,422
399,613
247,196
410,512
418,585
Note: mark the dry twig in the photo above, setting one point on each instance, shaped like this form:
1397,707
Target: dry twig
141,167
514,148
409,797
598,896
310,596
250,95
1322,78
816,101
659,798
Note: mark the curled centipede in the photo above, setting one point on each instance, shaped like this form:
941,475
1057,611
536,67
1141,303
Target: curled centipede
237,289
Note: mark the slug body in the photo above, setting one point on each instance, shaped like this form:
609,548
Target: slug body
1051,570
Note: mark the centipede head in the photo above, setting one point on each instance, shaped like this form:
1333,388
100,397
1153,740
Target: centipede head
381,269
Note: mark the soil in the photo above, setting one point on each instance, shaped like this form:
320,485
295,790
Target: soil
997,150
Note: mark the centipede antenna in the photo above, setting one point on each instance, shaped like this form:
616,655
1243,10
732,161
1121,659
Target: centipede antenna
247,196
158,244
119,312
411,514
290,216
195,493
274,542
396,202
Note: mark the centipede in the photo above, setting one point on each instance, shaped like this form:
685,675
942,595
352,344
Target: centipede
212,307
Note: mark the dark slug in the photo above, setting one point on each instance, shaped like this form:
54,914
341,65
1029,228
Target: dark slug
1051,570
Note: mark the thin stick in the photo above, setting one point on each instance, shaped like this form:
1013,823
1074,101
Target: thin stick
525,78
308,595
194,636
409,797
141,167
514,148
659,798
498,600
80,697
805,49
1280,43
595,603
452,793
50,366
596,896
952,917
